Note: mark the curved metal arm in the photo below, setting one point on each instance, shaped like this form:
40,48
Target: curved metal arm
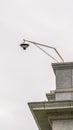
36,44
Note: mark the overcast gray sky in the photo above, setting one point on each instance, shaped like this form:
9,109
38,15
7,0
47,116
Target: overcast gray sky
26,76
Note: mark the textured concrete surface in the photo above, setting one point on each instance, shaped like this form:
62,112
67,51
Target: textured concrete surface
62,125
64,74
63,79
63,96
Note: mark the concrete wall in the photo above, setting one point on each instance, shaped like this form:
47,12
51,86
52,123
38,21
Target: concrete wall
62,125
63,79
